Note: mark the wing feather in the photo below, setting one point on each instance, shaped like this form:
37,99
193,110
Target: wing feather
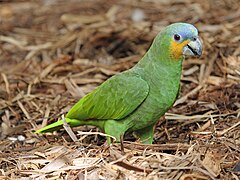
114,99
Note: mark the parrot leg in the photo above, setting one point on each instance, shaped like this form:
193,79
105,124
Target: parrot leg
115,129
145,135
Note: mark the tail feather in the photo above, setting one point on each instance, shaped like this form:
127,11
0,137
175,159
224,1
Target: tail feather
72,122
58,125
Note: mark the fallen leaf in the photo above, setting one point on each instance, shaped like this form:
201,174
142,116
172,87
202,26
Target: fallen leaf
211,162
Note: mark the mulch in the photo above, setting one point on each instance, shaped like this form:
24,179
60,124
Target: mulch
52,53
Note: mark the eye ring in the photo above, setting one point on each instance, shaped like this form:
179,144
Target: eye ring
177,37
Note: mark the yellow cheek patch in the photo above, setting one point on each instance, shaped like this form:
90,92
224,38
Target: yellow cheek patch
176,48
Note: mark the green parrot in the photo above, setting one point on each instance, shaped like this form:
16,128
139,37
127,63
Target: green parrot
134,100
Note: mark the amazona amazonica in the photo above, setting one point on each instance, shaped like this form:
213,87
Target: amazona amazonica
134,100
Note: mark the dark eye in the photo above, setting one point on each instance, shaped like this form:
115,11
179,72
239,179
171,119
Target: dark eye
177,37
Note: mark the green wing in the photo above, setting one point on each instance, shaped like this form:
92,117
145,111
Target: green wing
114,99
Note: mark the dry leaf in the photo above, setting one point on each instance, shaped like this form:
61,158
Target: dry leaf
211,162
194,176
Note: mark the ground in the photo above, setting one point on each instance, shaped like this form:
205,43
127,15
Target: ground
54,52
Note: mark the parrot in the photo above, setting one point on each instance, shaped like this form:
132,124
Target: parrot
135,99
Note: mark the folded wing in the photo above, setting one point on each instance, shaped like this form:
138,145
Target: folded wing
115,99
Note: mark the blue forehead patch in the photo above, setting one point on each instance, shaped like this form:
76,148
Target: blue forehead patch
183,29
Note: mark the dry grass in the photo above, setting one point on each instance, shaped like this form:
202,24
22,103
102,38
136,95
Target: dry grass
54,52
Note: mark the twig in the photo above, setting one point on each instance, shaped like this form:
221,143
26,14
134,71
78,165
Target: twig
69,130
184,98
121,142
228,129
183,117
6,82
94,133
21,45
157,147
23,110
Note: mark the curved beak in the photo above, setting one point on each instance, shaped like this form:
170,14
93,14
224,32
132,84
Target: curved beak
193,48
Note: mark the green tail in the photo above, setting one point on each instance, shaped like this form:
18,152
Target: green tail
72,122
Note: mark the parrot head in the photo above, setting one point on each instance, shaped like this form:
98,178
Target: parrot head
182,40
